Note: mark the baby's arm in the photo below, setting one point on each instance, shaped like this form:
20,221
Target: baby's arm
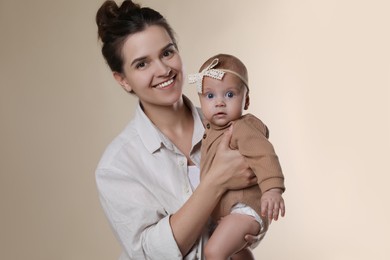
251,139
272,204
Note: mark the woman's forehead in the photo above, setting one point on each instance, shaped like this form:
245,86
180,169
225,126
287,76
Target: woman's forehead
148,42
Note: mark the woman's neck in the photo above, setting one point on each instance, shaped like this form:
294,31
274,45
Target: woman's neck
175,122
165,117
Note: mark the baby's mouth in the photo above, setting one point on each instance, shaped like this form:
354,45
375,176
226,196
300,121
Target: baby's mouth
219,114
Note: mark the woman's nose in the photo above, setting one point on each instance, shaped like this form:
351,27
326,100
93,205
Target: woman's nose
163,70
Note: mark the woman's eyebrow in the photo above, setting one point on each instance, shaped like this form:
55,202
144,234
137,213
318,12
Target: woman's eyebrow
169,45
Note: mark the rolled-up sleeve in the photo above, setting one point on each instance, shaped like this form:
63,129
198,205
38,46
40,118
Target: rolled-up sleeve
161,245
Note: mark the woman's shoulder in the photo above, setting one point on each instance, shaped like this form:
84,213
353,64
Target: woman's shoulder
125,141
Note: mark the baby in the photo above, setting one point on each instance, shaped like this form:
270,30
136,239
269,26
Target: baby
222,84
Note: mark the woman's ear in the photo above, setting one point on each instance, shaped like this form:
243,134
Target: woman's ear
246,102
120,78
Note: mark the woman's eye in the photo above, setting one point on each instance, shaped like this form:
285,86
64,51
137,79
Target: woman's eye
141,65
229,94
167,53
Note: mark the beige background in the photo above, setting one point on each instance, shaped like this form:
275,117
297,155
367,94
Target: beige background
320,78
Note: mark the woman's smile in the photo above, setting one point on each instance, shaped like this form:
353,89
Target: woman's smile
166,84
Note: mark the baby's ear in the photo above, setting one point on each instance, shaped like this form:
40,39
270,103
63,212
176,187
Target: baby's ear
120,78
246,102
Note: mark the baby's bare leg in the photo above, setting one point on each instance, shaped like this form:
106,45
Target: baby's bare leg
244,254
228,237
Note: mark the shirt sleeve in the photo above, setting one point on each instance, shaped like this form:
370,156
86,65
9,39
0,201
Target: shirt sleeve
251,139
139,222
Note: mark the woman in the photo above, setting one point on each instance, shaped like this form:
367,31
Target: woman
146,175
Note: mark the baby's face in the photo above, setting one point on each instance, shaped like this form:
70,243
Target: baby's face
222,100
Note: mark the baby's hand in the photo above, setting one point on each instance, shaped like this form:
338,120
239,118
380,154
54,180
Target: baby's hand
272,203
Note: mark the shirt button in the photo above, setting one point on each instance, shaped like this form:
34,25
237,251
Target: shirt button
181,163
204,136
208,126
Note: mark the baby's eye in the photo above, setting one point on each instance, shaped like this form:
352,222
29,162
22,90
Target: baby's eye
230,94
209,95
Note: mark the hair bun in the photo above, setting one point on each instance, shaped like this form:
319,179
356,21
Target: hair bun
127,7
105,16
109,14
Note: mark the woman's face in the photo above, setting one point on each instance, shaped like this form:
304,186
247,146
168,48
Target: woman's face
152,67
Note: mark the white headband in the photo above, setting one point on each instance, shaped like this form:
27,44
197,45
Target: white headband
212,73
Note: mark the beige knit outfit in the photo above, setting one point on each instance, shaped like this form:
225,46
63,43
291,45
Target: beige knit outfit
250,137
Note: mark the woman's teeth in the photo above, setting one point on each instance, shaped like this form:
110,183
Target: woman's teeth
164,84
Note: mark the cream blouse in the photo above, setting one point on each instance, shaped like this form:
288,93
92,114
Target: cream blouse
142,178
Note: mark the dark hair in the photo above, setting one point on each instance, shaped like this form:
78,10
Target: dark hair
115,23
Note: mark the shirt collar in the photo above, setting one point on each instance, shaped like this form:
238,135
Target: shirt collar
153,138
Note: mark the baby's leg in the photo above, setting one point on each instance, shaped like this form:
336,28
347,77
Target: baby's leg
244,254
228,237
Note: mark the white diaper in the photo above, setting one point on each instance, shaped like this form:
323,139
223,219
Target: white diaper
242,208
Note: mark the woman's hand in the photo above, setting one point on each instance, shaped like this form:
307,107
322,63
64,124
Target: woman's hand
252,240
229,168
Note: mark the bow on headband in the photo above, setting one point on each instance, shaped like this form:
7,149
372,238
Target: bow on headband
212,73
209,72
